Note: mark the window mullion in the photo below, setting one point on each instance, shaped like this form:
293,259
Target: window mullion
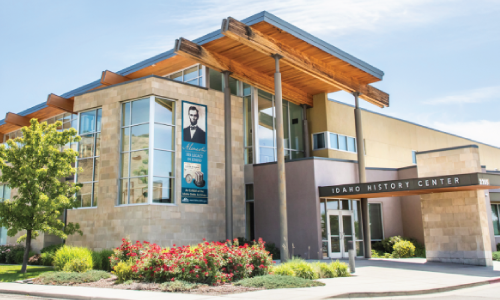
151,147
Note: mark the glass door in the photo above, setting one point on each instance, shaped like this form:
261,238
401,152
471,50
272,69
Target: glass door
340,231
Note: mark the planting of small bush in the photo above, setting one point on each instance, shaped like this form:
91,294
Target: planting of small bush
35,260
300,268
123,270
403,249
67,254
211,263
9,254
283,270
178,286
496,255
52,248
100,260
72,277
46,259
278,282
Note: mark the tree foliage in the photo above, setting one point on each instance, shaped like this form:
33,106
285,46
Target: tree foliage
35,168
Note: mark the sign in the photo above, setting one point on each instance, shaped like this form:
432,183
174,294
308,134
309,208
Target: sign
413,184
194,187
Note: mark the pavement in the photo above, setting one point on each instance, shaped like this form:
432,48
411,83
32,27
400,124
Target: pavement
373,278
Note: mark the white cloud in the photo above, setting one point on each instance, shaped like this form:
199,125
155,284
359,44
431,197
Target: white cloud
482,131
468,96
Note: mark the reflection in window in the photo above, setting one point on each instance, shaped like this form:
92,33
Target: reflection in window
247,119
334,141
192,75
4,195
136,175
250,224
88,157
375,214
495,214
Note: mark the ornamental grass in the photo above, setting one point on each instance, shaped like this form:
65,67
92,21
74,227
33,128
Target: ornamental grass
211,263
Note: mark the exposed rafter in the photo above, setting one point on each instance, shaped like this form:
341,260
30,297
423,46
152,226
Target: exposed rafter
110,78
60,103
239,71
17,120
265,44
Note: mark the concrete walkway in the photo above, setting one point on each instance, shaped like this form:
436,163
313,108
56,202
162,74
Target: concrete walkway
375,277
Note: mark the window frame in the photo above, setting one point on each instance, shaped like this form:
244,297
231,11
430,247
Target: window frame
497,204
201,78
414,157
151,122
93,157
328,134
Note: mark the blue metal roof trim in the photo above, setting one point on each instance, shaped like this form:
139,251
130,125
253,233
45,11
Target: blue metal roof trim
301,34
415,124
29,111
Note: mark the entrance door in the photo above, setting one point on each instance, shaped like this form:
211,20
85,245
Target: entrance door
340,231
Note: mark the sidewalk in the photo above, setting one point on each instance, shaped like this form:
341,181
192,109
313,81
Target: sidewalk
375,277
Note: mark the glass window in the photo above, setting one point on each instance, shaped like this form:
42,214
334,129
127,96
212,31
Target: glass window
88,157
414,157
495,210
266,127
342,142
215,80
247,116
192,75
319,140
296,127
135,153
334,142
351,144
4,195
250,223
376,226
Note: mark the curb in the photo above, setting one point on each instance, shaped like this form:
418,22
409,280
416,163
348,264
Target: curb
416,292
56,296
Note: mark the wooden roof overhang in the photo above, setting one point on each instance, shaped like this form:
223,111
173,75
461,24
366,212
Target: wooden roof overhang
413,186
309,65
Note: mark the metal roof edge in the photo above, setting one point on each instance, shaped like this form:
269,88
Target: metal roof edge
328,48
413,123
28,111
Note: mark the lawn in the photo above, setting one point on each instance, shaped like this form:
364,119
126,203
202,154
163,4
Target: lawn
9,273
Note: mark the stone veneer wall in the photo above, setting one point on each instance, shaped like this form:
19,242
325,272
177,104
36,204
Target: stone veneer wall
181,224
455,223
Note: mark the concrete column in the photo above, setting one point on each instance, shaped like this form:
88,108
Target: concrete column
278,103
305,131
362,177
229,159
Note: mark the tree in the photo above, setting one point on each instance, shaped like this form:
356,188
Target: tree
35,167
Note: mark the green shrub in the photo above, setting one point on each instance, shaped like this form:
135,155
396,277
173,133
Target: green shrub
302,269
403,249
283,269
178,286
52,248
496,255
389,243
66,277
498,247
19,256
123,270
101,259
77,265
67,254
323,270
47,258
12,253
387,255
35,260
277,282
341,269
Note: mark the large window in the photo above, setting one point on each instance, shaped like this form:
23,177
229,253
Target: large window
495,216
376,225
147,151
247,119
216,80
192,75
329,140
4,195
88,156
266,131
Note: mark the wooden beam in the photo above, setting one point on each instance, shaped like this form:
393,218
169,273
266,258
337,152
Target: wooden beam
239,71
110,78
60,103
267,45
1,137
17,120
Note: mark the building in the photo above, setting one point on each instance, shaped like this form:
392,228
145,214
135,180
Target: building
154,154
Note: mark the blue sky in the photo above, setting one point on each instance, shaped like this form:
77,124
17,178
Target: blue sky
439,57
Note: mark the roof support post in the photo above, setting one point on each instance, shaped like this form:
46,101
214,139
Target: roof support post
229,157
278,103
362,176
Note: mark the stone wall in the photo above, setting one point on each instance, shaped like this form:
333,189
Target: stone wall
181,224
456,227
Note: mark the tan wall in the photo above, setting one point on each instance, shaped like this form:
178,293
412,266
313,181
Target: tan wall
456,226
389,142
180,224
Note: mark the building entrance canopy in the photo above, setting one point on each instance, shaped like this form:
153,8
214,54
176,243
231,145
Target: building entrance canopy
413,186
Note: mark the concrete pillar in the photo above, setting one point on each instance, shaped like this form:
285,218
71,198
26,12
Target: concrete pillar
362,177
229,157
278,103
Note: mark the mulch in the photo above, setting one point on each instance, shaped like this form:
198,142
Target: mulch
224,289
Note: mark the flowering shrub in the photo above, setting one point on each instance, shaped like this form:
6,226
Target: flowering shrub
8,253
212,263
403,249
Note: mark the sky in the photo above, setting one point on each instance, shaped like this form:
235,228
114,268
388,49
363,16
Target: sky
439,57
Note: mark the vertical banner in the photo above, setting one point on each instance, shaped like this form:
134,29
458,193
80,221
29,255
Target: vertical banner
194,154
